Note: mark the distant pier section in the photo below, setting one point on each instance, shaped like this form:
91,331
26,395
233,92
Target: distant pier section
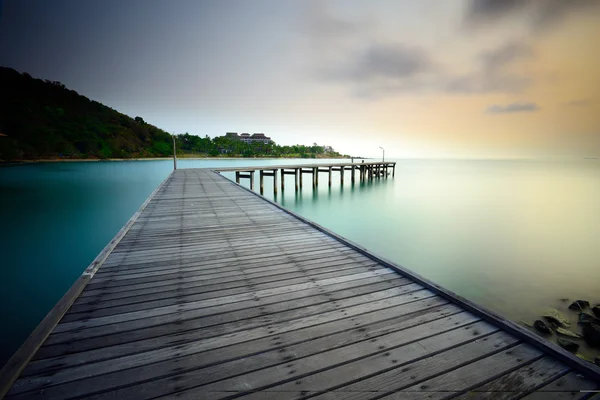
364,171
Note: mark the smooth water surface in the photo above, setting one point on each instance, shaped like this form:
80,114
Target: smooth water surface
513,236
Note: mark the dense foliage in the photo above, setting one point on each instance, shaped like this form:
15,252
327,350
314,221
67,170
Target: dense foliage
44,119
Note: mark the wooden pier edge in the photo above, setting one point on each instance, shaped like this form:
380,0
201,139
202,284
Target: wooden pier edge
588,369
11,370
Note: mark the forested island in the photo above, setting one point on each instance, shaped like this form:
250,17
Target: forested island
42,119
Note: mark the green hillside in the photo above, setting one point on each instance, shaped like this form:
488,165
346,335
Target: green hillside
41,119
44,119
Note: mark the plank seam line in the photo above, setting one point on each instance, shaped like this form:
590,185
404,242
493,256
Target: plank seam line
258,266
144,291
92,299
541,385
237,310
319,370
269,303
586,368
420,358
241,329
11,370
308,281
50,369
298,342
493,377
156,277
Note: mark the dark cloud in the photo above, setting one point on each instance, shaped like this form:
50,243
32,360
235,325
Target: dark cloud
390,61
346,51
512,108
386,69
539,14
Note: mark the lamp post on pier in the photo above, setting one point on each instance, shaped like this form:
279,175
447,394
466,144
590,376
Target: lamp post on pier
383,157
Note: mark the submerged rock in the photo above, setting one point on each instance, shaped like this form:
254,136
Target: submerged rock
586,318
591,334
556,317
579,305
566,332
596,311
542,326
567,344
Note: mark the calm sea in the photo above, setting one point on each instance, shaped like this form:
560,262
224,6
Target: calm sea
513,236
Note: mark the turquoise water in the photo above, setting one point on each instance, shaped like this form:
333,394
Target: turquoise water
514,236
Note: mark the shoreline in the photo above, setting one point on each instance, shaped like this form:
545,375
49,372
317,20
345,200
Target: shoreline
52,160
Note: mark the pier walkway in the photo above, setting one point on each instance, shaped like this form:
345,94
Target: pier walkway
210,291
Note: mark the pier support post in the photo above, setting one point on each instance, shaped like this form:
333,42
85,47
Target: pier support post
262,181
282,180
330,176
275,181
296,178
300,172
352,174
251,180
237,177
342,170
394,170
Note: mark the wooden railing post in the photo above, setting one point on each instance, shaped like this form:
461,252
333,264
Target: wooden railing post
262,181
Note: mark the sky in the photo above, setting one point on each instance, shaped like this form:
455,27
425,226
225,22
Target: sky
427,78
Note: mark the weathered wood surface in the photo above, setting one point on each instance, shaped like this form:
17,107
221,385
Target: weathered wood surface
215,293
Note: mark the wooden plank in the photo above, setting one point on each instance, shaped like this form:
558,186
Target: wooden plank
568,386
443,332
244,357
179,322
402,367
165,347
186,328
520,382
474,374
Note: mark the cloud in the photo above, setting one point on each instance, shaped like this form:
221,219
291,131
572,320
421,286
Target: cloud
493,74
579,103
389,61
506,54
512,108
350,52
538,14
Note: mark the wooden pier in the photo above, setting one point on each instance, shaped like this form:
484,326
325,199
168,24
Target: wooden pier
365,171
212,292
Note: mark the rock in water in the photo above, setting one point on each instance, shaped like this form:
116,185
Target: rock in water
579,305
566,332
596,311
591,334
542,326
556,317
567,344
585,318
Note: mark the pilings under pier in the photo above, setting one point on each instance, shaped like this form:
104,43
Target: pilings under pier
365,171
